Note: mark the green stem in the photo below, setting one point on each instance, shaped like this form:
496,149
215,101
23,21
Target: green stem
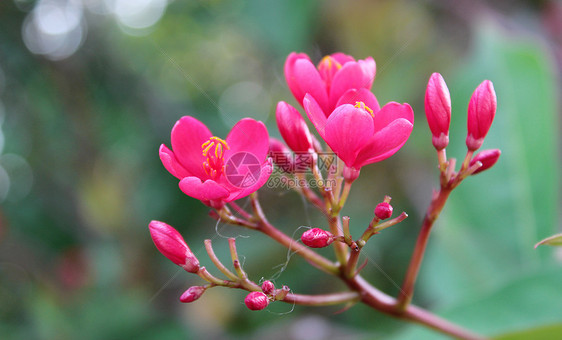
340,248
322,300
217,262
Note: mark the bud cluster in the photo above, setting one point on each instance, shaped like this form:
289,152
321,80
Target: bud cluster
481,112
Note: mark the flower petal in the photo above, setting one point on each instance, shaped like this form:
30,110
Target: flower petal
360,95
385,142
353,75
290,74
187,137
315,113
306,76
265,172
392,111
348,129
341,57
248,135
204,191
369,68
293,128
171,163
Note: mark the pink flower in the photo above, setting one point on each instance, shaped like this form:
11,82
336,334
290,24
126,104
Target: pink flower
317,238
438,110
293,128
358,131
214,170
256,301
336,74
487,157
170,243
481,113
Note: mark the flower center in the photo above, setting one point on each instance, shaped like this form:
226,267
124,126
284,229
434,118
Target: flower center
362,106
213,149
328,67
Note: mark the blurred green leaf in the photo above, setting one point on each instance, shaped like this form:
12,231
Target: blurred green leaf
526,301
539,333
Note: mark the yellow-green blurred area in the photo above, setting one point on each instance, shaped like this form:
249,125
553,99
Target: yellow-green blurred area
89,89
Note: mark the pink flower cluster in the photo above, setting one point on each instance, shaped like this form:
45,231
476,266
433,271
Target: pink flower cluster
337,100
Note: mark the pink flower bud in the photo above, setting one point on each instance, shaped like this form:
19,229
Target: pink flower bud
317,238
487,157
256,301
281,155
267,287
192,294
481,112
170,243
383,210
293,128
438,110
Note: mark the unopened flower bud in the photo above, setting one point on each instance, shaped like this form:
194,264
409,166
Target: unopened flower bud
317,238
170,243
383,210
350,174
256,301
281,155
267,287
192,294
293,128
487,157
438,110
481,112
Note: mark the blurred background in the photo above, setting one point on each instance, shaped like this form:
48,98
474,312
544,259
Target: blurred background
89,89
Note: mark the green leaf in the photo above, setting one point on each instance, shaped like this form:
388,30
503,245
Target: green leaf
554,240
538,333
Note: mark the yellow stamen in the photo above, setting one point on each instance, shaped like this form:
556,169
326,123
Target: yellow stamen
361,105
207,146
329,60
214,166
211,142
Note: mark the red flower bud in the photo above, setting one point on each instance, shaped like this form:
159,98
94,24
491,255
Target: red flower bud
170,243
317,238
487,157
293,128
383,210
256,301
192,294
438,110
281,155
481,112
267,287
